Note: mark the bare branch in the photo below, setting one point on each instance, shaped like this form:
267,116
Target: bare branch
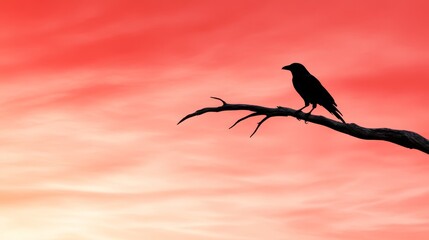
403,138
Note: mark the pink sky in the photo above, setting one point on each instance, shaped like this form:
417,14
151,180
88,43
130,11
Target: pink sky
91,92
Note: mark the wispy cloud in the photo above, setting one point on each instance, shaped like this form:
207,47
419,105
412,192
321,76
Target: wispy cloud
91,93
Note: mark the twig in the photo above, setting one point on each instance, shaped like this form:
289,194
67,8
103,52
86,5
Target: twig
244,118
259,124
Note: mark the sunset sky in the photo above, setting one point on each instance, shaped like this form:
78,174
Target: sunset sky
91,92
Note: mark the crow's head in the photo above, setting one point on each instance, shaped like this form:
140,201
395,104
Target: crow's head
295,68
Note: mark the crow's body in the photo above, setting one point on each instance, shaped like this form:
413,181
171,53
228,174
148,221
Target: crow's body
311,90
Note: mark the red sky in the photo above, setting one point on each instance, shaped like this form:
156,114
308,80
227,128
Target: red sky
91,92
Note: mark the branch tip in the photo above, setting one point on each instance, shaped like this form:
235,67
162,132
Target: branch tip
223,102
183,119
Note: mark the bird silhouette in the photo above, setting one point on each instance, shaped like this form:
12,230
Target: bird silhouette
311,90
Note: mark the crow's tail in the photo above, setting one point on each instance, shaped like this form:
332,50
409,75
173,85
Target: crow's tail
334,110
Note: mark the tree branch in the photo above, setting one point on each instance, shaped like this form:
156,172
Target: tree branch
403,138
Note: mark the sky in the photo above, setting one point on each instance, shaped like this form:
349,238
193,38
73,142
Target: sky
91,92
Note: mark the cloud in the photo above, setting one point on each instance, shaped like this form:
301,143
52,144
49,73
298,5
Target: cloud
91,93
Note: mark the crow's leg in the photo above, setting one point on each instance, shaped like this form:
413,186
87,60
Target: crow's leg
306,105
300,110
309,113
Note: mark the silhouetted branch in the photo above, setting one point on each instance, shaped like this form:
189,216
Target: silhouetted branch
244,118
403,138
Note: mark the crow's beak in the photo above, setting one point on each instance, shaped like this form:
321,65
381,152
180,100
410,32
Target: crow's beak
286,67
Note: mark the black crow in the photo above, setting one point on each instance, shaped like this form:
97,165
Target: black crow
311,90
